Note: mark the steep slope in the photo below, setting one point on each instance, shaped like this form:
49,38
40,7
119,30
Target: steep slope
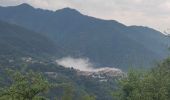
18,41
154,40
105,42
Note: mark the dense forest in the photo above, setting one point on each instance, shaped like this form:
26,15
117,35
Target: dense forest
60,82
146,85
32,83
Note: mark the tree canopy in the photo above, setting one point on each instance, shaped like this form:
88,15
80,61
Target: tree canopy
146,85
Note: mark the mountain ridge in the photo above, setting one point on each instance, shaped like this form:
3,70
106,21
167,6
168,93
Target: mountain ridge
104,42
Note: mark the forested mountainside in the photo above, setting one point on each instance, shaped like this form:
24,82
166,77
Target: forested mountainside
18,41
24,50
71,83
104,42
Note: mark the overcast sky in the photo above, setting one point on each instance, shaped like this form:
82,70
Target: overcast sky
152,13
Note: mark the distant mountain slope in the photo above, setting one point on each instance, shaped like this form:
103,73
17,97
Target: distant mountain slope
105,42
152,39
18,41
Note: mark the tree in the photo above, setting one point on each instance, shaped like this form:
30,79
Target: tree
68,92
88,97
150,85
28,86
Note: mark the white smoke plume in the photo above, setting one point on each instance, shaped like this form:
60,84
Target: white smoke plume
82,64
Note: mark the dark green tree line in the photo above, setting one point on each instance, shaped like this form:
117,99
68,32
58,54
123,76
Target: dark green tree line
28,86
150,85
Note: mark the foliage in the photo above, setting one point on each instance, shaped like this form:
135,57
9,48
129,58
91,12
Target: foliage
28,86
151,85
88,97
